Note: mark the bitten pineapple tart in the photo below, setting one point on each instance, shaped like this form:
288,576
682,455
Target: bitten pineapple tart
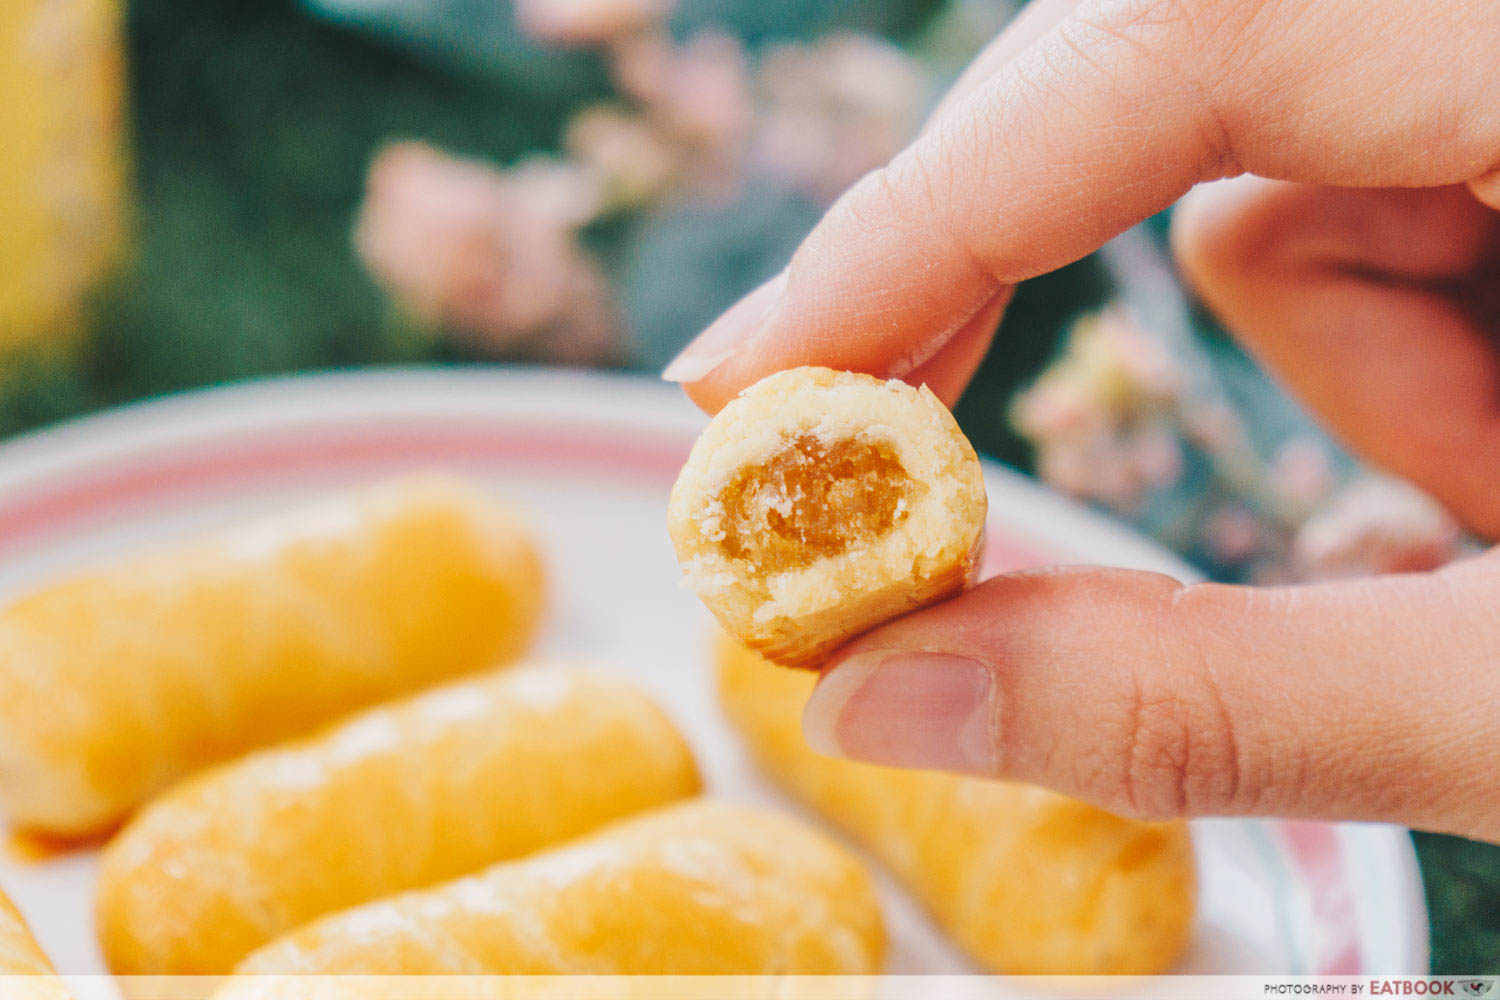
400,797
819,504
1027,881
25,973
701,888
115,683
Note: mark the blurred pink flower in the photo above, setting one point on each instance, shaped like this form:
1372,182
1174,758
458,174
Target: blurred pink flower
1103,416
1131,370
1055,408
489,254
1301,477
631,160
837,109
1116,480
1376,525
1110,374
1068,467
1233,534
1155,453
1099,467
1110,419
588,22
1214,427
698,92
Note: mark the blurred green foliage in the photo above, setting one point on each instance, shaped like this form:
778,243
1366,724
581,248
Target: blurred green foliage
763,20
1463,903
253,125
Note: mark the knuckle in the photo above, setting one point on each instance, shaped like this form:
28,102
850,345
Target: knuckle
873,203
1182,16
1156,754
910,191
1185,45
922,190
1182,755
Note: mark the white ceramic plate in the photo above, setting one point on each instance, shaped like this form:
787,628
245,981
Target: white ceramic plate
592,458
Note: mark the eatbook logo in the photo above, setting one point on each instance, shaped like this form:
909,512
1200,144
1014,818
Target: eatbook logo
1434,987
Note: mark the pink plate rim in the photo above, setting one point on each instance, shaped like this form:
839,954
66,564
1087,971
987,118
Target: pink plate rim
174,448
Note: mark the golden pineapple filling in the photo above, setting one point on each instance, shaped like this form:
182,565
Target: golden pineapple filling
811,500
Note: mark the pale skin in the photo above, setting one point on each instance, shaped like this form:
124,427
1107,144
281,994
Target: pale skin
1339,162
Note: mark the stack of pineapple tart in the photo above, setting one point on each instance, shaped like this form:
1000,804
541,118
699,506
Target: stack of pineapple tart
328,757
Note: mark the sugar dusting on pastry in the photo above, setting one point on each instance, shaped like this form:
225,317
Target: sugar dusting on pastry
713,888
1027,881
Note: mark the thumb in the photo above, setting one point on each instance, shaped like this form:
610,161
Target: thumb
1370,699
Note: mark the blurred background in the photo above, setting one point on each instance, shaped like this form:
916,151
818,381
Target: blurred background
192,193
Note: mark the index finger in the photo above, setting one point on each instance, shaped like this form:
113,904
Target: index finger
1086,131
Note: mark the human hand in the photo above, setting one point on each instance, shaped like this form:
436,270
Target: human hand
1367,276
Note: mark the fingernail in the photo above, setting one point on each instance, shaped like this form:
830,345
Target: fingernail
907,708
725,336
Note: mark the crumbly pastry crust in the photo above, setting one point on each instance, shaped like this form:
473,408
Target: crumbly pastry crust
1027,881
906,528
702,888
396,798
118,682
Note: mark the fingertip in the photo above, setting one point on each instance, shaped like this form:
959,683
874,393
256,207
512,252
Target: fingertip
754,361
707,395
728,337
947,372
